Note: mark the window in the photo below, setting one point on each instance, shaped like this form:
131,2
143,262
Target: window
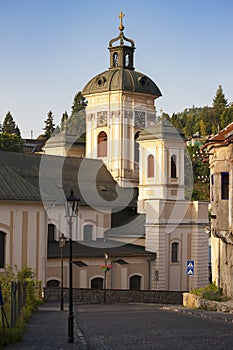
174,252
127,60
173,167
135,282
53,284
97,283
225,185
102,144
136,147
150,166
2,248
51,232
115,59
87,233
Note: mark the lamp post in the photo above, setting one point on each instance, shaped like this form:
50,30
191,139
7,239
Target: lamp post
62,243
72,206
105,274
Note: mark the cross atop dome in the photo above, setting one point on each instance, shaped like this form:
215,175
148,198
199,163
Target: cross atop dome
121,27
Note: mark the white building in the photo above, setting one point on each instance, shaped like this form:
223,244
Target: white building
132,190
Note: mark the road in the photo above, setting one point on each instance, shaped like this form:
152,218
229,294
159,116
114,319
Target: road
149,326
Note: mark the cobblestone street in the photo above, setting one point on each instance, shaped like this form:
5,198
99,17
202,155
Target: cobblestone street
144,326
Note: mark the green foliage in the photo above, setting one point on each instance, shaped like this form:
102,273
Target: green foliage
204,120
33,298
210,292
49,125
201,189
10,142
9,125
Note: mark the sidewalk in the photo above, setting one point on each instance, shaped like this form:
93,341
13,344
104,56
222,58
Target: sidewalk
48,329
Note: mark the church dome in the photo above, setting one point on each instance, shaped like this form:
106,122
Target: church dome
121,79
121,75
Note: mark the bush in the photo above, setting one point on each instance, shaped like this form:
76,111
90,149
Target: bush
33,292
210,292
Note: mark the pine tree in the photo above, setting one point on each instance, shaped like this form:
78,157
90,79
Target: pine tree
9,125
76,124
64,119
219,105
49,125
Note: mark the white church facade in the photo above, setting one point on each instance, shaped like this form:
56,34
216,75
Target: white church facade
131,182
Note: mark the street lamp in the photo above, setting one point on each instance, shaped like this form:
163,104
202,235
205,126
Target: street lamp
105,274
72,207
62,243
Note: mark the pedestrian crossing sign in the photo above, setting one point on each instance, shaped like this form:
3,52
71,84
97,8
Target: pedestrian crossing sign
190,267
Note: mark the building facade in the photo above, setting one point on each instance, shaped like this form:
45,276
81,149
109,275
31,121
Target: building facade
219,151
131,185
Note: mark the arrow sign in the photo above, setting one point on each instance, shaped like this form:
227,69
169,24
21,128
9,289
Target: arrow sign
190,267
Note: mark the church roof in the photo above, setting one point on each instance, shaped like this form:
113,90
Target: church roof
134,228
98,248
121,79
39,177
163,129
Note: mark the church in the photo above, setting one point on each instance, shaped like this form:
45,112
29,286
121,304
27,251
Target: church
132,175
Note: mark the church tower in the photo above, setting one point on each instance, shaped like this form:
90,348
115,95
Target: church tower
120,105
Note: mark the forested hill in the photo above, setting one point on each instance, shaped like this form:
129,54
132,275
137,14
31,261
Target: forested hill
204,120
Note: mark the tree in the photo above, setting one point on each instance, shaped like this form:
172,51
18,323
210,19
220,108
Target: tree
76,124
9,125
226,117
10,142
64,119
79,103
219,105
49,125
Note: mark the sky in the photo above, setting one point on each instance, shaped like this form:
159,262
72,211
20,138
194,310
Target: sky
49,50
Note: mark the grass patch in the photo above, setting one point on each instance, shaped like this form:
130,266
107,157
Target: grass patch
210,292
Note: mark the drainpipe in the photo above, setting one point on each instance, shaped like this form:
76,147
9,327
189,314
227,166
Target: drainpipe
219,264
149,260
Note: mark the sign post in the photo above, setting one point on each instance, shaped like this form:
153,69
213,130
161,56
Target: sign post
190,271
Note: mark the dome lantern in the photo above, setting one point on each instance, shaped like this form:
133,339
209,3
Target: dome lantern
121,56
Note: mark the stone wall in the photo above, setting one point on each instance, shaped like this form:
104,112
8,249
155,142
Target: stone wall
97,296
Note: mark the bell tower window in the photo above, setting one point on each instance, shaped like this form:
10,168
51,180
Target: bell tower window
102,144
115,59
127,60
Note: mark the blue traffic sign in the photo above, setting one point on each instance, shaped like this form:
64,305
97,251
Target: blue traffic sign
190,267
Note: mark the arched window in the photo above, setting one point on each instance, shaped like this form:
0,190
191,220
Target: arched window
87,233
53,284
51,232
127,60
136,147
173,166
2,248
102,144
174,252
115,59
135,282
150,166
97,283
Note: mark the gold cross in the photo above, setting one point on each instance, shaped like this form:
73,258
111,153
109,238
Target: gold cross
121,27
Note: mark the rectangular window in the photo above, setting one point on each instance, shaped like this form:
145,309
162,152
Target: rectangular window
225,185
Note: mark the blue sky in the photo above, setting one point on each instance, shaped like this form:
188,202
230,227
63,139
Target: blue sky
49,49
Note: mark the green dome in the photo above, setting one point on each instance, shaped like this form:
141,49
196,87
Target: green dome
117,79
